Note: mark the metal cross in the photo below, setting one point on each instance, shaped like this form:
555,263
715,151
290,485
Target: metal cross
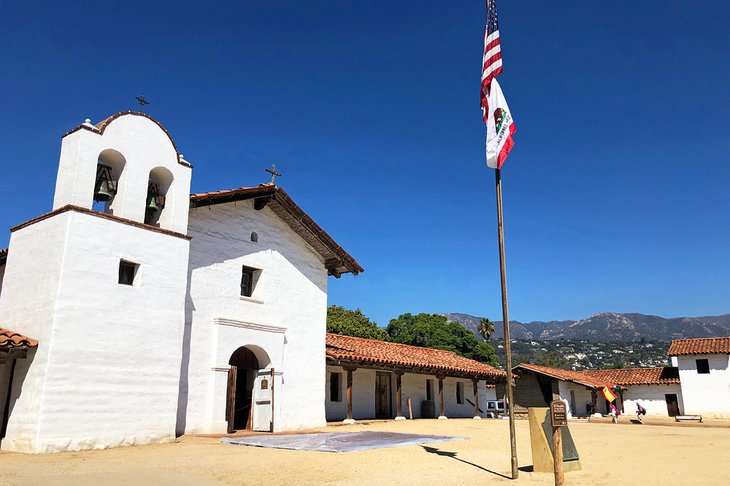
142,101
273,173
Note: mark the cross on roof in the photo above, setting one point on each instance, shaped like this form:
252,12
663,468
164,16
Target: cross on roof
142,101
273,173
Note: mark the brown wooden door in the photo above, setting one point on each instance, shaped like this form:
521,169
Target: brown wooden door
231,399
383,407
672,404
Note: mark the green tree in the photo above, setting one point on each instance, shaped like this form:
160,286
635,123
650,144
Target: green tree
552,359
433,331
353,323
485,328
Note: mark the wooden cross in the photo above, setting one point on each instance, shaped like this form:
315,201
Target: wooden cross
273,173
142,101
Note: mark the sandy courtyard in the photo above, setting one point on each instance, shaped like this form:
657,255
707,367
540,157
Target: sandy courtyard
611,454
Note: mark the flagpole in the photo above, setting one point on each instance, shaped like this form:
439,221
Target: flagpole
505,320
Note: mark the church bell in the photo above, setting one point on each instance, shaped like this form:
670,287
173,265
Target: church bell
102,194
105,188
152,206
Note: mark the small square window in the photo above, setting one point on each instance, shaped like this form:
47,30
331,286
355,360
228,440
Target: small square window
335,388
127,272
460,392
703,366
249,277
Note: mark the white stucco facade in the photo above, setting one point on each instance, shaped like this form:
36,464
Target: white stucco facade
413,387
706,394
653,398
106,369
283,322
578,397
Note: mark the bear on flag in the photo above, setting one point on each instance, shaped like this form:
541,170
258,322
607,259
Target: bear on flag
500,127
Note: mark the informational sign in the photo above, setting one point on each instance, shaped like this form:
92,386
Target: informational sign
558,413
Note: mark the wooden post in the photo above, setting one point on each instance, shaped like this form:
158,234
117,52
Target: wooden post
273,378
410,410
398,398
505,321
593,401
558,456
349,395
476,398
441,397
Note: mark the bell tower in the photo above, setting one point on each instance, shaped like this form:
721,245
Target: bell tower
100,282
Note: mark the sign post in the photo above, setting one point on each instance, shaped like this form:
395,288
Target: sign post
558,418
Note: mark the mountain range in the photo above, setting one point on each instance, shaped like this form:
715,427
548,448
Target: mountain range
608,326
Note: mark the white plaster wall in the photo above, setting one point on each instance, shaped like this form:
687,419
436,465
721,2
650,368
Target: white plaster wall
107,368
144,146
27,306
705,394
652,398
290,294
582,398
413,386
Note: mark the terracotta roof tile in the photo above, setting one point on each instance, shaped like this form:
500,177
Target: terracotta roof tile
717,345
359,350
337,260
567,375
636,376
10,339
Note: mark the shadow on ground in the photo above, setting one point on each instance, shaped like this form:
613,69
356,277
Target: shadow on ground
452,455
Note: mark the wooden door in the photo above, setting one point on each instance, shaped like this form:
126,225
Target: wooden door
231,398
383,407
672,404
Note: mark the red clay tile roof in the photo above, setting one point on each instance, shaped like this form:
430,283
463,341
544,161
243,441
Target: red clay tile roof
636,376
10,339
718,345
337,260
352,350
566,375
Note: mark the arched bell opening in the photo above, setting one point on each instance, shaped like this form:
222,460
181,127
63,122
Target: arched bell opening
109,182
158,208
245,362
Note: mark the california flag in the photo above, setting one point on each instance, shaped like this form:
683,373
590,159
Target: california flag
500,127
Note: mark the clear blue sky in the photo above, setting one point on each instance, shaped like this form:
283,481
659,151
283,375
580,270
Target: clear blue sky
616,194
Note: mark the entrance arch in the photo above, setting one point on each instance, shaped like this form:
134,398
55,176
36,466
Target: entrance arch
245,363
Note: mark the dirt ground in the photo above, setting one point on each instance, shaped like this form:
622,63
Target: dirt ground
612,454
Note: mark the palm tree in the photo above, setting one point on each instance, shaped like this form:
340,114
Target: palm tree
485,328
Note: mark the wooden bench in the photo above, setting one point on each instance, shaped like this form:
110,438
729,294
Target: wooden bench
682,418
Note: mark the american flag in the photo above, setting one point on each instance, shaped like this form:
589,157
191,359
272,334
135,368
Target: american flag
492,58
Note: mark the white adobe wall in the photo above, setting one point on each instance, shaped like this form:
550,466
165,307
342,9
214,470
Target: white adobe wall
705,394
583,397
285,318
107,367
143,146
27,306
413,386
652,398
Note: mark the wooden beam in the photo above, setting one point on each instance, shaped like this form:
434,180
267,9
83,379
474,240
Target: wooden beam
349,392
261,202
441,396
476,398
398,404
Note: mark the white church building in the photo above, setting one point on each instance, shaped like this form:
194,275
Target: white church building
139,312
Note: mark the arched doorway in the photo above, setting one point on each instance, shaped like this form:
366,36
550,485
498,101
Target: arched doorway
241,376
